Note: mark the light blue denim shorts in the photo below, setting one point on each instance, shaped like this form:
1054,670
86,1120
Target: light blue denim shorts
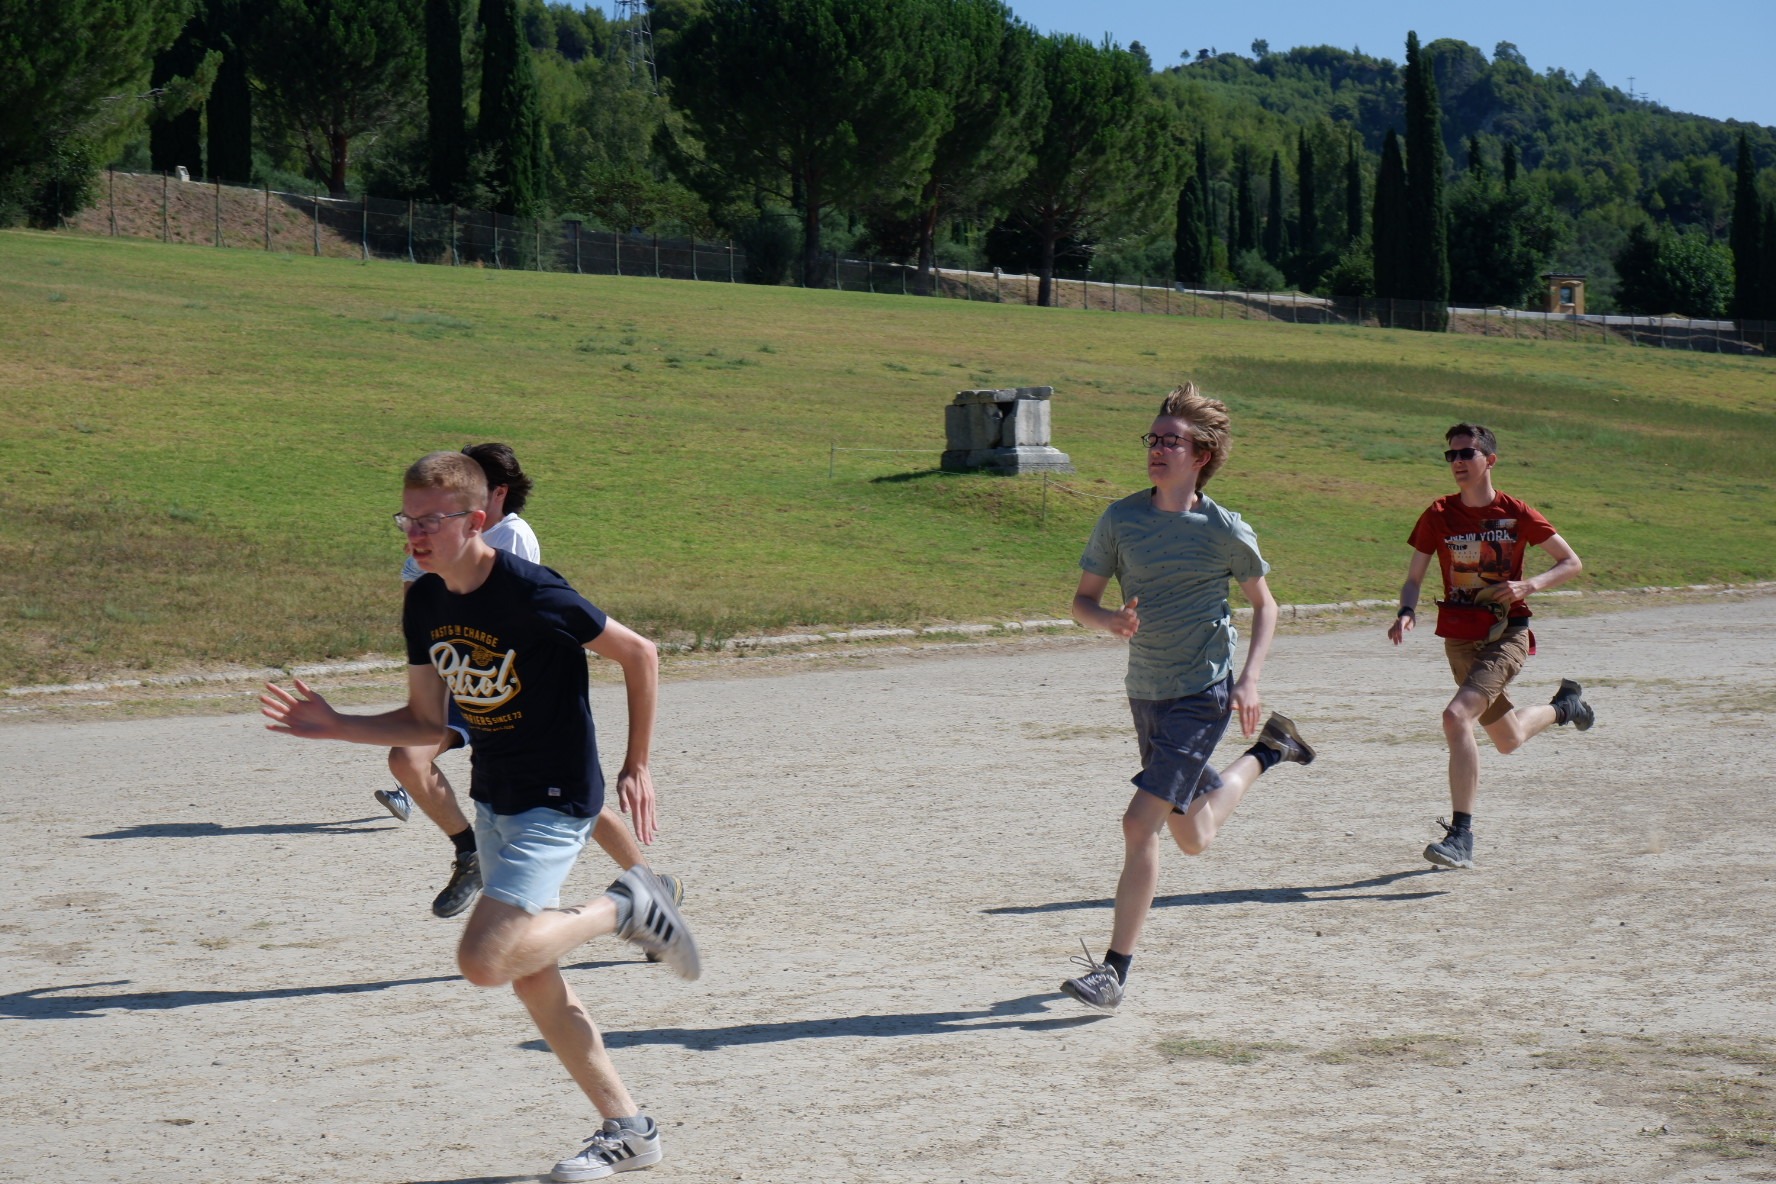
525,858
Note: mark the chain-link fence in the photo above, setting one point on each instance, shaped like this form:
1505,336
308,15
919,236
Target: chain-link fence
144,205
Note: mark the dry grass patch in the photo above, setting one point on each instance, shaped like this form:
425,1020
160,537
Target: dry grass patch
1228,1052
1423,1048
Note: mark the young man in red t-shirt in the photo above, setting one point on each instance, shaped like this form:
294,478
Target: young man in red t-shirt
1478,536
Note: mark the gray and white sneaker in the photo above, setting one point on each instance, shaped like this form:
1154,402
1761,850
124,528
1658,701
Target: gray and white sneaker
465,882
676,887
1454,849
1098,987
397,802
654,922
614,1148
1279,733
1570,706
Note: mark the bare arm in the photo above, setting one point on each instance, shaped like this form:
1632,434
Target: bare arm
1415,574
1566,566
1089,611
308,715
640,661
1246,700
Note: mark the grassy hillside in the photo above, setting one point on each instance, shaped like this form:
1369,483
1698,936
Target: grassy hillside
205,447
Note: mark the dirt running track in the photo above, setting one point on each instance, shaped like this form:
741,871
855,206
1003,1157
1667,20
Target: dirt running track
217,964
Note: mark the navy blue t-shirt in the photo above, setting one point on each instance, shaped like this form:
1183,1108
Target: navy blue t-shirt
511,655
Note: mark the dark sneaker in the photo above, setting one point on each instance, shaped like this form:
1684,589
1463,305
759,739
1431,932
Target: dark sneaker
1279,733
615,1148
397,802
465,882
1454,849
1098,987
676,888
1570,706
655,924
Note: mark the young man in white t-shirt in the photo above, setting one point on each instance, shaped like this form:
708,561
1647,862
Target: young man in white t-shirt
417,776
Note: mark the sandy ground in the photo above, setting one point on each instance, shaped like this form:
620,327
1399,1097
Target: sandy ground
217,963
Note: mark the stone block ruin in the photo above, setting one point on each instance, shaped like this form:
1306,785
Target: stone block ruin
1001,431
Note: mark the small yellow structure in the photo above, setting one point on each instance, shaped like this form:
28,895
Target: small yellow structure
1566,293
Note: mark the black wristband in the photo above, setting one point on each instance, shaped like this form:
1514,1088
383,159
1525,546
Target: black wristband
1407,610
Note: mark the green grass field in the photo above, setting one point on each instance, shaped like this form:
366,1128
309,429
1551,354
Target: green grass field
205,447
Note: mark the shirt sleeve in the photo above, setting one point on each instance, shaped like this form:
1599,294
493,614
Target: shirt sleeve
1243,557
568,612
1101,551
1427,533
413,627
1532,528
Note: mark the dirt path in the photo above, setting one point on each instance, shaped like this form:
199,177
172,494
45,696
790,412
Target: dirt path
218,962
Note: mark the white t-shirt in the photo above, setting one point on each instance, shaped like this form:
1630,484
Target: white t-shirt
510,533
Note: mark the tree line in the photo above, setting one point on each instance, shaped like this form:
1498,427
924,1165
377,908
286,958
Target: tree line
927,131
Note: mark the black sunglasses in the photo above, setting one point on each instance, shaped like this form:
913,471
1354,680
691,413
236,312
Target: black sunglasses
1454,454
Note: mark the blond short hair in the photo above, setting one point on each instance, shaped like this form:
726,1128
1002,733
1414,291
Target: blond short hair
452,472
1211,430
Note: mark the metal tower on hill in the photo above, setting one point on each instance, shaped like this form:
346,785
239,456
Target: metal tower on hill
636,43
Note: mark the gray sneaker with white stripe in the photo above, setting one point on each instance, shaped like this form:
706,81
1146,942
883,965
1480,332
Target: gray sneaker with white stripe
613,1148
654,922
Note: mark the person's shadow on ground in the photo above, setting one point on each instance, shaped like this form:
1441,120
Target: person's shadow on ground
206,830
1310,894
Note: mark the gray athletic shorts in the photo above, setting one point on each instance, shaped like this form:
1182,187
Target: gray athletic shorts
1178,739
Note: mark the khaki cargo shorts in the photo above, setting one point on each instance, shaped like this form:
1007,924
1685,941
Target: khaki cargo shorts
1489,666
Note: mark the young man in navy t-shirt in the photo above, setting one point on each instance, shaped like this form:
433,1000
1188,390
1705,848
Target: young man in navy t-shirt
504,638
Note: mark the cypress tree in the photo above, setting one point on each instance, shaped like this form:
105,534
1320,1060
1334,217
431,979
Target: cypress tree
1307,198
177,140
446,126
1476,164
230,115
1509,164
1207,190
1190,258
1391,253
1427,212
1766,309
1248,207
1353,191
1750,285
1276,227
511,126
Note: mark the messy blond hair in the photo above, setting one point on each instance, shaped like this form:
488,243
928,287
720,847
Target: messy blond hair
452,472
1210,429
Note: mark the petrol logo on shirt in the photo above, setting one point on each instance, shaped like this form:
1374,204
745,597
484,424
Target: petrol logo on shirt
478,678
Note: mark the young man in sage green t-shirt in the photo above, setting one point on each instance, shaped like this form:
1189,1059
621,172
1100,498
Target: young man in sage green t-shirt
1173,551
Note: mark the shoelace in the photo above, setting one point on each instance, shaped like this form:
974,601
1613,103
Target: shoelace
1091,964
604,1145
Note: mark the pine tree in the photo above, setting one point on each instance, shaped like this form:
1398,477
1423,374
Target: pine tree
1767,266
177,140
1307,198
1191,256
1476,163
511,126
1353,191
446,125
229,113
1388,226
1276,226
1750,286
1427,214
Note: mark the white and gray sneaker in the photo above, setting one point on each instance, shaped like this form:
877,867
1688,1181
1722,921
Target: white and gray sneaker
614,1148
654,922
1098,987
396,801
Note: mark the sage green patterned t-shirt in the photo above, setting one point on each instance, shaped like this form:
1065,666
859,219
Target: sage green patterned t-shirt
1179,565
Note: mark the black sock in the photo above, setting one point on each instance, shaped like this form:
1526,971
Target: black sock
1267,757
1459,821
1119,963
464,841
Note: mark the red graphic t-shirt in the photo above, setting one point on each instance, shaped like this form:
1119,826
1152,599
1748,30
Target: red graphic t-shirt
1480,545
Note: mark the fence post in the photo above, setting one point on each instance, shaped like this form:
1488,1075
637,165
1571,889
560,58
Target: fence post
617,250
693,258
536,228
165,230
1113,293
838,277
364,230
998,296
315,199
218,208
410,258
268,217
113,199
576,227
656,254
455,259
730,261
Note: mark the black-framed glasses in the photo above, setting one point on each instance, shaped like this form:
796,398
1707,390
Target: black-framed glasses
1452,455
425,524
1152,441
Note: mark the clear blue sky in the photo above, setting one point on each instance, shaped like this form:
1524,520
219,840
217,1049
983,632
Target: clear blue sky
1716,59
